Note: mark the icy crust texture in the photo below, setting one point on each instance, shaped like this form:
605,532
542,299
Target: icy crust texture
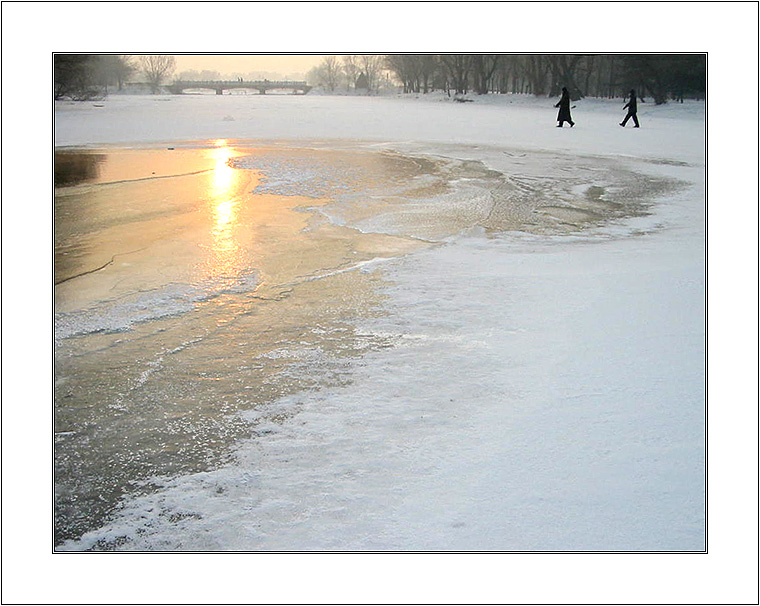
435,196
121,314
318,470
536,382
479,428
301,175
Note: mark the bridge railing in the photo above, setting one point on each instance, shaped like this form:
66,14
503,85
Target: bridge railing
251,83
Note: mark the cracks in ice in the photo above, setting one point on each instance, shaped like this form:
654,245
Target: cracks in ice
156,177
92,271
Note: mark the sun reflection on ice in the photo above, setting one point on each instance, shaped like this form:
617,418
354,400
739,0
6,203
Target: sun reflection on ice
223,193
224,198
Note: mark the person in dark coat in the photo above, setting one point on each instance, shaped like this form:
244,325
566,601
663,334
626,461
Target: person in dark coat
564,109
631,105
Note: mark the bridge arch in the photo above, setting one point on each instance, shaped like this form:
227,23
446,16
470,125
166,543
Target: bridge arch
219,86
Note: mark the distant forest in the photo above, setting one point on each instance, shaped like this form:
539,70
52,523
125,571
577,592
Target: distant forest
661,77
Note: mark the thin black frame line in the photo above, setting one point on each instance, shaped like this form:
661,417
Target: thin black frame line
570,552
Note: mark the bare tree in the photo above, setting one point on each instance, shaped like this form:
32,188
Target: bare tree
458,68
123,68
509,75
326,74
331,71
112,69
371,66
77,77
536,69
157,68
563,68
428,67
351,69
483,67
405,69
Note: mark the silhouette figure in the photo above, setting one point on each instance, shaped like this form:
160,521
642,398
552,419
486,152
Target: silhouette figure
631,105
564,109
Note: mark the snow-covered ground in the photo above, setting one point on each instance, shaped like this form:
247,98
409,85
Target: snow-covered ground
543,393
672,132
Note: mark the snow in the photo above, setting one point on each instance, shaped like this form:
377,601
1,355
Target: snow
543,392
545,420
671,132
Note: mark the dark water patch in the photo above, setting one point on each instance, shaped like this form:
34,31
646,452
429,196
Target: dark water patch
72,168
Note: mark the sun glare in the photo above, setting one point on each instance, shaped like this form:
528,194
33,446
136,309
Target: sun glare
222,180
223,206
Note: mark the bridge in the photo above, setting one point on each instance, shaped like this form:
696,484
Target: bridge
298,88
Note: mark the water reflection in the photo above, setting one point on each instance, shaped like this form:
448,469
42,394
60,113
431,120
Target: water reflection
224,198
166,414
223,172
225,204
72,168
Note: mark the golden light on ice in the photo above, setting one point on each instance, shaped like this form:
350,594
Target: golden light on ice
223,174
223,199
224,205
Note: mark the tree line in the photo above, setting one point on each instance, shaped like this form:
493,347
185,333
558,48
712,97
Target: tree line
661,77
81,77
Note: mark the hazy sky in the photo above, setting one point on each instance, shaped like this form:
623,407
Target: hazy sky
284,64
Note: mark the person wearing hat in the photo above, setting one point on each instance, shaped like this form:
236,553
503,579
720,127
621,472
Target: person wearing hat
564,109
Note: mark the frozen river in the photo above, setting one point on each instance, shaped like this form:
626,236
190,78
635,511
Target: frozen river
205,290
391,344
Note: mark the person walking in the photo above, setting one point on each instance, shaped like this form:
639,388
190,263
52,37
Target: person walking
631,105
564,109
